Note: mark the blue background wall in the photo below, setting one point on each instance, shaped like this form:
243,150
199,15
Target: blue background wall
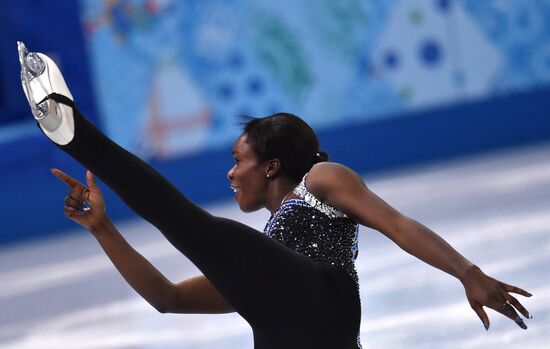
477,80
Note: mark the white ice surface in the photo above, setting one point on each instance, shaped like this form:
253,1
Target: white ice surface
64,293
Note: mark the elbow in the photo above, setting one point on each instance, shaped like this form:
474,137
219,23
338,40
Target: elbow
164,302
162,309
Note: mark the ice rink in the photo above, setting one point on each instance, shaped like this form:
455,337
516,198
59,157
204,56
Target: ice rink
63,292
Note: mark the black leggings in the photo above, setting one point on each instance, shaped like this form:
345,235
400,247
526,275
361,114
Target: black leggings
289,300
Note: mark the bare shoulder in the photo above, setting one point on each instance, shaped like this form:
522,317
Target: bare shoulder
325,169
325,177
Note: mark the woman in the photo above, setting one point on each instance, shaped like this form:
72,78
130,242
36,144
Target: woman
296,284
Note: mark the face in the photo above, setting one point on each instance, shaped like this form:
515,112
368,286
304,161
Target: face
248,177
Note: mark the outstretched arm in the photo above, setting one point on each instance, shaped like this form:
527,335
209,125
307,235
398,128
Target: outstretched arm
344,189
195,295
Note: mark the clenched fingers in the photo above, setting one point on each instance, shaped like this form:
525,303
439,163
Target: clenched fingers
76,200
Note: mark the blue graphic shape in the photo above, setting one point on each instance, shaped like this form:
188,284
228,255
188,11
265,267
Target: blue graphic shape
391,60
226,91
255,86
236,61
443,5
430,52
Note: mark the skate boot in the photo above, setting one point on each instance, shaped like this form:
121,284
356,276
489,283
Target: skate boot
50,100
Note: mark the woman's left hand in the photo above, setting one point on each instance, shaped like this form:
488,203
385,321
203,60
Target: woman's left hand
78,195
483,290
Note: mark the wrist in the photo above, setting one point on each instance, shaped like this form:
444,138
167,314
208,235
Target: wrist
468,272
101,226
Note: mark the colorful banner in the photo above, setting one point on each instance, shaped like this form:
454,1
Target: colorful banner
172,77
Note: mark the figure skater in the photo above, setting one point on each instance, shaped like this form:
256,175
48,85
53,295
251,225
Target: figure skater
296,284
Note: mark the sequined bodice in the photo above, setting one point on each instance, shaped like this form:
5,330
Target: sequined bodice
316,230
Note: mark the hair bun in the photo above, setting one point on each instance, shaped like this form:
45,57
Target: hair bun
320,156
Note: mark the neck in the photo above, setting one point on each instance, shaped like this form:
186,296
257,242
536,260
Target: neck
279,189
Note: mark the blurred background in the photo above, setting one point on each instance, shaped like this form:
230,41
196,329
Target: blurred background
442,106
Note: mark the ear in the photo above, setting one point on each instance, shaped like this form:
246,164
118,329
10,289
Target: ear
272,168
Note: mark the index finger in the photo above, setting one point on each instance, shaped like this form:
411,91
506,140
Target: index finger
70,181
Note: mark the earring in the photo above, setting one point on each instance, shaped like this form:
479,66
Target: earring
267,176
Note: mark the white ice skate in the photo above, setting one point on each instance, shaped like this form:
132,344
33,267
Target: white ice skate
41,77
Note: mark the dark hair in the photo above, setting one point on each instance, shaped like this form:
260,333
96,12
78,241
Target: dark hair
286,137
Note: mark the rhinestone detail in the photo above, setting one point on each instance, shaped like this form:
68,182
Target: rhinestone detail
35,65
302,192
